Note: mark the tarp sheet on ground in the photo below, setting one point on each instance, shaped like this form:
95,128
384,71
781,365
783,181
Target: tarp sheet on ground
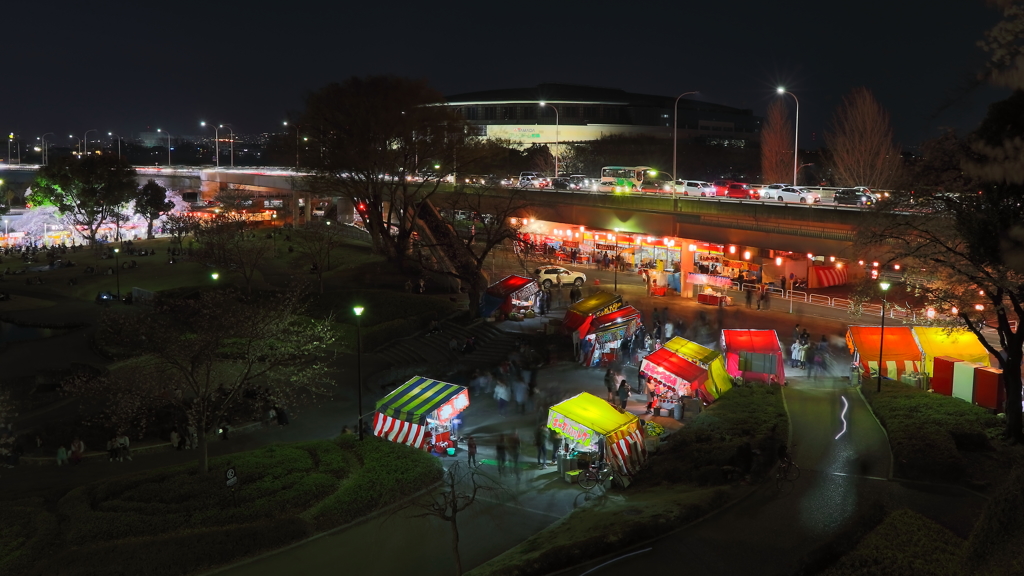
502,293
606,332
580,313
754,355
900,351
960,344
586,419
402,415
718,380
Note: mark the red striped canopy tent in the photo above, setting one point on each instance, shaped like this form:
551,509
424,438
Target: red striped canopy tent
672,369
579,315
830,275
900,352
584,420
609,329
402,416
754,355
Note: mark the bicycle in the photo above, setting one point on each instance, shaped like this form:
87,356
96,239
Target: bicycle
594,475
786,473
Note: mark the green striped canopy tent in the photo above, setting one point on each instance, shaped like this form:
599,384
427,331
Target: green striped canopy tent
402,415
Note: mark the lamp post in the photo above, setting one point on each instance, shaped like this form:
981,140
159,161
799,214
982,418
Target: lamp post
85,141
556,135
296,142
796,132
168,146
10,139
232,132
881,337
216,143
79,143
118,273
118,143
675,133
359,367
46,154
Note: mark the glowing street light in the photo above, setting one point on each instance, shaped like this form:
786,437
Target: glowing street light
796,133
216,143
215,275
358,310
168,146
556,135
675,134
881,339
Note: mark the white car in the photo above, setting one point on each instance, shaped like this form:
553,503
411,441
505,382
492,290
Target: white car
546,276
768,192
695,188
793,194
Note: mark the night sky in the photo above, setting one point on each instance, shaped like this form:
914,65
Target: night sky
135,66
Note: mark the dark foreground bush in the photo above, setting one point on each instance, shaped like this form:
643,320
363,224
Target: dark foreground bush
996,545
905,544
927,431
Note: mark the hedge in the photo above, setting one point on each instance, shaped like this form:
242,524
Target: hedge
994,546
904,544
175,520
927,431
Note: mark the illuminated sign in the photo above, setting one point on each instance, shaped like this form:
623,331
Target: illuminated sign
449,409
581,436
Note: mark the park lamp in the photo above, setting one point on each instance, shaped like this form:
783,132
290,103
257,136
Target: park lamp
215,275
884,285
358,310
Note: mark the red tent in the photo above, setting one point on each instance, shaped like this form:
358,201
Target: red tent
900,352
501,294
606,332
672,369
579,315
753,355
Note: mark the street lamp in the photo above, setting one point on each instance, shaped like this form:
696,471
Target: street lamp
881,337
46,154
85,141
118,273
359,367
556,135
168,146
79,143
215,275
216,143
675,133
232,132
10,139
296,142
118,143
796,132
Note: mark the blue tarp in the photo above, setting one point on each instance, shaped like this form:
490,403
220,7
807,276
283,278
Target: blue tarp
673,282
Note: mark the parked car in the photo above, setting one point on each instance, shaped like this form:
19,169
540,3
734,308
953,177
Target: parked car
852,197
696,188
794,194
743,191
546,276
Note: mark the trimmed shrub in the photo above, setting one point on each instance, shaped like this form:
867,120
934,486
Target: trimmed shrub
994,546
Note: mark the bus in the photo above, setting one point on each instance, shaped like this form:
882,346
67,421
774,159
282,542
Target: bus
632,179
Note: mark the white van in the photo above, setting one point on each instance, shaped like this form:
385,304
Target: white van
695,188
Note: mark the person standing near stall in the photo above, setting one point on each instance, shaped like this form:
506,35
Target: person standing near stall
623,394
499,450
471,451
609,383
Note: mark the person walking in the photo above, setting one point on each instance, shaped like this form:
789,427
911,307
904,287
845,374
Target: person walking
794,354
502,395
556,441
749,295
471,451
623,394
62,455
540,440
649,391
123,450
796,333
609,383
499,450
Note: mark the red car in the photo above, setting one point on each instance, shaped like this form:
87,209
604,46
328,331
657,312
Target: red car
721,186
743,191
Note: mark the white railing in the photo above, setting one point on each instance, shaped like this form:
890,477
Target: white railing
819,300
798,295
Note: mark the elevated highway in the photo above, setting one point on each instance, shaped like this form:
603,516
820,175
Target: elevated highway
818,228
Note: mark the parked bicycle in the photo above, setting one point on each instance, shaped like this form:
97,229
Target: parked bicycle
786,472
594,475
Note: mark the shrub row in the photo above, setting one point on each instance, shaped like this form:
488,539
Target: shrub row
926,431
904,544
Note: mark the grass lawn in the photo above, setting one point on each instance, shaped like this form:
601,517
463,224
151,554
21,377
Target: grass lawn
671,491
175,521
940,438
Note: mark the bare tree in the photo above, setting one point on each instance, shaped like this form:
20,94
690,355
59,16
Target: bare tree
315,242
462,254
230,244
386,145
861,143
462,486
180,225
776,141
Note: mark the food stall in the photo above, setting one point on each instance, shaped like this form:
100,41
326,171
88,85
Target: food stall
754,355
935,342
710,289
419,413
579,315
901,353
718,380
606,333
679,376
590,427
509,294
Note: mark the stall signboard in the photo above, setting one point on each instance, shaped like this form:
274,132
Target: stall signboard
451,408
610,247
659,373
708,279
580,435
570,244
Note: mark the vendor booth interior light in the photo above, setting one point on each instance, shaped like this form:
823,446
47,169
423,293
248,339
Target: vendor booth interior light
732,249
778,260
693,247
811,256
875,264
831,258
746,254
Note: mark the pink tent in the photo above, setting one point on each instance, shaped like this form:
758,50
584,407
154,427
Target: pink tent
753,355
